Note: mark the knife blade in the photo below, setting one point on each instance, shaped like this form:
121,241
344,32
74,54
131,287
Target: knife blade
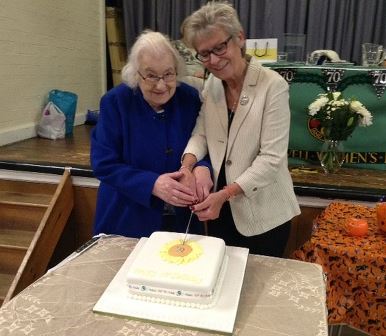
187,228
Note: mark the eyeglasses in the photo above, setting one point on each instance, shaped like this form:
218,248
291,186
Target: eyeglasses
154,79
218,50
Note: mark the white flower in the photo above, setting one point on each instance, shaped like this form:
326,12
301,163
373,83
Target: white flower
315,106
366,117
337,114
355,105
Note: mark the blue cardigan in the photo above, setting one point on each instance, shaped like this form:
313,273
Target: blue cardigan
131,146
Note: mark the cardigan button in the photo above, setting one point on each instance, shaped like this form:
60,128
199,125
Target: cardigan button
228,162
254,189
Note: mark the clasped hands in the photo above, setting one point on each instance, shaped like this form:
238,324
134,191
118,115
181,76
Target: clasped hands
184,188
187,188
191,188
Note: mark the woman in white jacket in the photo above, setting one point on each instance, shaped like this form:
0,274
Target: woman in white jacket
244,126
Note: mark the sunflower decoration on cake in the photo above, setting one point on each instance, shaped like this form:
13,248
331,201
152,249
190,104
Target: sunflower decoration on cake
180,252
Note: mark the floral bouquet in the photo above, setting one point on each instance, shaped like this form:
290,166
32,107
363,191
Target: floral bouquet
337,117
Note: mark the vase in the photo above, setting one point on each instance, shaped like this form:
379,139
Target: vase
332,156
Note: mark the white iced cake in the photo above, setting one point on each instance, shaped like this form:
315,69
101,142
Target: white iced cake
171,271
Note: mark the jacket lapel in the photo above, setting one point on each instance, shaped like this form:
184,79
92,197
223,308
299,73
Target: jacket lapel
247,96
218,98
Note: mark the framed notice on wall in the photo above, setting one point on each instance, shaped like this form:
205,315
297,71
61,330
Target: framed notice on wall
265,50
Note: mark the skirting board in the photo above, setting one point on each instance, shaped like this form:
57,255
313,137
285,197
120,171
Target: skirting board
25,176
27,131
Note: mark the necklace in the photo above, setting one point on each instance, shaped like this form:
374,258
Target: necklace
231,113
232,107
235,98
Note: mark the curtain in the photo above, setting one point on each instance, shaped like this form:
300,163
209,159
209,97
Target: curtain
340,25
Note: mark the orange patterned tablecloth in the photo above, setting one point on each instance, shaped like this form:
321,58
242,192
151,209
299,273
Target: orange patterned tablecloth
355,267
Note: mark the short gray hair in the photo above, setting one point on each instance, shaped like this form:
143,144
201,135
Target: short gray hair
155,43
215,14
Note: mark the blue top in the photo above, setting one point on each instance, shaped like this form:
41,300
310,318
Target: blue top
131,146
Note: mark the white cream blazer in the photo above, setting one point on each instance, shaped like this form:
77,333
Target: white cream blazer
256,150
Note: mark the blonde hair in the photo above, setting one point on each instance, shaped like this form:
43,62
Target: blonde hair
215,14
155,43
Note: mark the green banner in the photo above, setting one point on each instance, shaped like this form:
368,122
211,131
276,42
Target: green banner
366,147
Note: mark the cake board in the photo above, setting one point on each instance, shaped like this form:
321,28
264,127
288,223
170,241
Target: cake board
220,318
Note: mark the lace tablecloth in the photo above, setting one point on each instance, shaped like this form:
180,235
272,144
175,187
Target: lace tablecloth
279,297
355,267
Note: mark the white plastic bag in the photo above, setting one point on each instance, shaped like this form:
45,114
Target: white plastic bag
52,124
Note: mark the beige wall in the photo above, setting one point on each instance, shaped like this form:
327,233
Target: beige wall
47,44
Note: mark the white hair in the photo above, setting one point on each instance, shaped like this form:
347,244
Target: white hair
155,43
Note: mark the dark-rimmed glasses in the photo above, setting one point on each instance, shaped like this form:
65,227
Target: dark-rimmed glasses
154,79
218,50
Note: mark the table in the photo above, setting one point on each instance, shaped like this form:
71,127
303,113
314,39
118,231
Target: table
279,296
355,267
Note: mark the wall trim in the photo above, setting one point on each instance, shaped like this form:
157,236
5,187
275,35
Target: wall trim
27,131
25,176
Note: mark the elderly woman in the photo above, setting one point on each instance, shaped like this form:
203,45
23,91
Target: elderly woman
136,147
244,125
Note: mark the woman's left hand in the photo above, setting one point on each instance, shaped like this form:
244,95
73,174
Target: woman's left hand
211,206
204,182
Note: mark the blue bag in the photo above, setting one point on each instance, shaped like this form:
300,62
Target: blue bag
66,101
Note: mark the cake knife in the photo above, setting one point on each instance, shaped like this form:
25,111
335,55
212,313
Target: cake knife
187,228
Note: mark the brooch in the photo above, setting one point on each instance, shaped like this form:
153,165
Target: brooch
244,100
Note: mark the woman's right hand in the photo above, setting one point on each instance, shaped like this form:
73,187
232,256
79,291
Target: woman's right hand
169,189
210,208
